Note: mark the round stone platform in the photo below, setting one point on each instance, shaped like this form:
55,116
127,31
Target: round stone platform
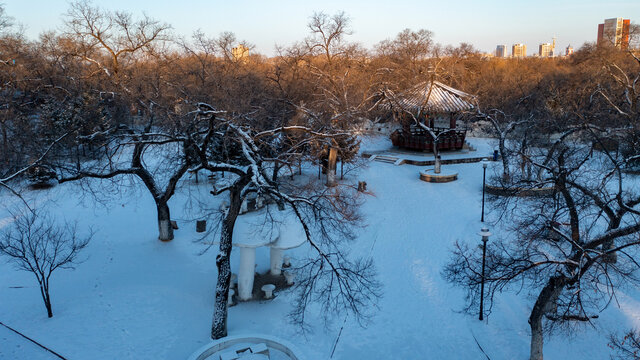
442,177
249,346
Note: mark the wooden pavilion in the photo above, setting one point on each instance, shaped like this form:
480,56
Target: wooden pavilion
433,105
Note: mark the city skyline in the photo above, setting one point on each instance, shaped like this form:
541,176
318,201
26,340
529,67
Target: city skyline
267,25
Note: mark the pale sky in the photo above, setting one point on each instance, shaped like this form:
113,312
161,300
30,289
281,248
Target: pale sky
265,23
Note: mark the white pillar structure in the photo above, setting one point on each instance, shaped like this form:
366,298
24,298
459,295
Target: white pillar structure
230,299
246,272
276,260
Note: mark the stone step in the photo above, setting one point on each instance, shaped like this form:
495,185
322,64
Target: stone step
386,159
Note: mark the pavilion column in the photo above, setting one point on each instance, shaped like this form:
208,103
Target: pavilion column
276,260
246,272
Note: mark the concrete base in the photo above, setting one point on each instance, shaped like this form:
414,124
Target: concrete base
432,177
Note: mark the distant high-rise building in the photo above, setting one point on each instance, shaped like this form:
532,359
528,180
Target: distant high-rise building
568,51
519,50
545,50
240,52
614,31
501,51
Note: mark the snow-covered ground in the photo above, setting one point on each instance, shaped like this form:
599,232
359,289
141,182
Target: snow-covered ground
138,298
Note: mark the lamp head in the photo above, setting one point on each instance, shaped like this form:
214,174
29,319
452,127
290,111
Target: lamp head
485,233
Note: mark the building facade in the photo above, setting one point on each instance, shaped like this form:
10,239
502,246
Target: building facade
545,50
519,50
240,53
501,51
614,31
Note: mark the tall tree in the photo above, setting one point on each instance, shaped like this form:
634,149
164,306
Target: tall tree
326,214
573,249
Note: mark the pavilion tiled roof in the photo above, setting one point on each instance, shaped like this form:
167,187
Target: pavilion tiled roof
442,98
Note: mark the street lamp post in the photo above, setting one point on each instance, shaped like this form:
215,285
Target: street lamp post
484,177
485,237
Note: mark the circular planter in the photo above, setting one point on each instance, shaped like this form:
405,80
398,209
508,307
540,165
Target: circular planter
209,351
442,177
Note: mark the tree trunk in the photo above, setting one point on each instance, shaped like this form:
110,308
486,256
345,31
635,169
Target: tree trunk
506,174
44,291
612,257
219,325
545,303
436,154
165,231
331,167
561,184
5,144
536,340
276,169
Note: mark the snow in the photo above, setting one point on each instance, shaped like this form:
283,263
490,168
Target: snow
15,346
136,297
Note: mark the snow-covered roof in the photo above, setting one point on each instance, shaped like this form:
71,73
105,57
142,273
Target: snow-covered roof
268,227
441,98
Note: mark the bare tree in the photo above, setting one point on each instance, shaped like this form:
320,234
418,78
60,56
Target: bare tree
170,156
8,178
35,243
326,214
407,55
113,44
627,105
502,128
109,40
572,249
626,347
327,34
6,21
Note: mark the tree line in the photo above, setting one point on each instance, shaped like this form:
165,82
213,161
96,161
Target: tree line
109,93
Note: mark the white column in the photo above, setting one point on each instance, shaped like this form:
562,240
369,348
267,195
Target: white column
276,260
246,272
